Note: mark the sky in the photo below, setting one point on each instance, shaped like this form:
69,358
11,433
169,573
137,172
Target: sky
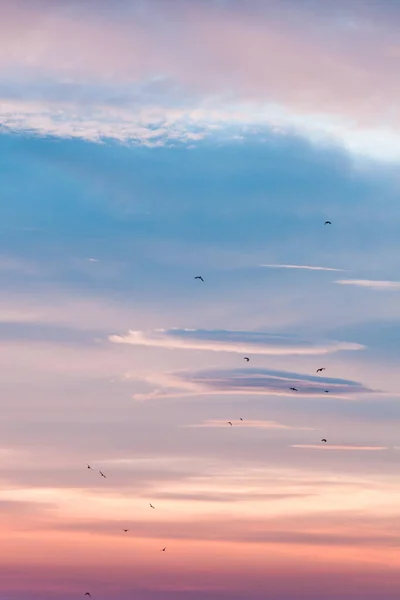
144,144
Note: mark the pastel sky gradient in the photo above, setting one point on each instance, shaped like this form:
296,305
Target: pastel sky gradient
143,143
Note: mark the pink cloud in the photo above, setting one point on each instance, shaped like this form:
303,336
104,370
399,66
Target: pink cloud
347,447
285,54
254,424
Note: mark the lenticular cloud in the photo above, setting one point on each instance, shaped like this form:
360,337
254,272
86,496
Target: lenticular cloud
248,381
266,381
231,341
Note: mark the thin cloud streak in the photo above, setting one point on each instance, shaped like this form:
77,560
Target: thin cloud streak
305,267
230,341
338,447
249,424
370,283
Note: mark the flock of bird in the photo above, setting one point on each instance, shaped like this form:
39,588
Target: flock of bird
247,359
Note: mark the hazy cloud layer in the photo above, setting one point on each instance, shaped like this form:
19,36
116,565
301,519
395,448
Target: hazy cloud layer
143,73
231,341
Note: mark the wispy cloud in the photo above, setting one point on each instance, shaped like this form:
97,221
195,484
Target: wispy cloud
228,497
250,381
305,267
370,283
231,341
249,424
339,447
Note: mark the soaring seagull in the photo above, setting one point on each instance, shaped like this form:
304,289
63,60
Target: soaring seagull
200,277
323,440
294,389
151,506
328,223
246,358
321,369
102,474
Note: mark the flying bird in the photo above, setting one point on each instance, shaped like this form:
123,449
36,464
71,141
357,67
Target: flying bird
89,467
230,423
321,369
328,223
240,418
246,358
323,440
151,506
126,530
102,474
164,549
326,391
294,389
200,277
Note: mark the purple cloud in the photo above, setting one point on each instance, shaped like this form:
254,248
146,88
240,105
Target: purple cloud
252,381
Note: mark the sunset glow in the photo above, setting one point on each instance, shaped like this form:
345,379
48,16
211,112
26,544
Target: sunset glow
200,316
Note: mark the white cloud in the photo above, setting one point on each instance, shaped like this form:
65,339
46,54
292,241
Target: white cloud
305,267
370,283
231,341
161,124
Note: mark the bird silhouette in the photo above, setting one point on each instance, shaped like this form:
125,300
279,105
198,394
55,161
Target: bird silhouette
240,418
126,530
230,423
246,358
102,474
328,223
89,467
164,549
321,369
200,277
323,440
326,391
294,389
151,506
